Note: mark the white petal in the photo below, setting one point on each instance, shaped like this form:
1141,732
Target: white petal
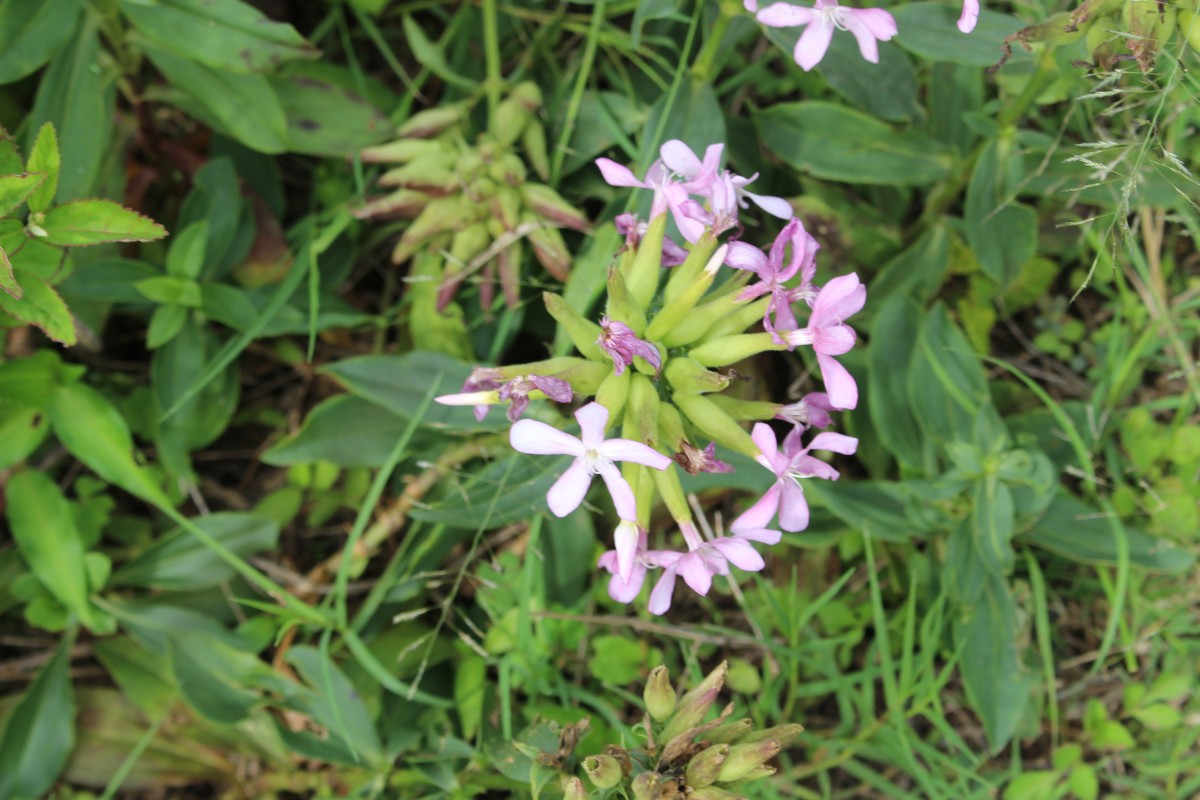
593,419
775,206
621,491
784,15
680,158
636,452
567,492
540,439
617,175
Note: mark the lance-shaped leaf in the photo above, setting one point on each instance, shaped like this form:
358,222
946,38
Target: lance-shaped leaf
40,732
41,307
16,189
993,517
30,33
44,158
88,222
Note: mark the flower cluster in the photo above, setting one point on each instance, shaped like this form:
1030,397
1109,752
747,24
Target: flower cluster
868,25
675,315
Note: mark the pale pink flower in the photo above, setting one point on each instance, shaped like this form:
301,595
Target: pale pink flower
841,298
594,455
477,390
970,15
811,410
786,497
793,252
625,588
699,564
622,345
775,206
628,226
869,26
669,194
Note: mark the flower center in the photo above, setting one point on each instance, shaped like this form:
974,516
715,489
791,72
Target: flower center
835,15
594,460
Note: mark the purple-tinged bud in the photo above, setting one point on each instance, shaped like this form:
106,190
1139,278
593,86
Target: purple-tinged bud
784,734
621,344
745,758
434,120
550,205
517,392
583,332
731,731
646,786
714,793
811,410
478,390
694,705
704,767
604,771
573,789
688,376
399,204
431,175
549,247
694,460
659,694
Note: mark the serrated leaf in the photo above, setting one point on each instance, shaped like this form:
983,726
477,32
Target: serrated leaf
89,222
42,524
40,732
225,34
41,307
8,281
16,189
44,158
32,32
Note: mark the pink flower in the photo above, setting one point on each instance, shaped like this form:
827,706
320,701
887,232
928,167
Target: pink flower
698,565
618,340
775,206
697,175
869,26
594,455
774,273
628,226
476,390
786,497
624,588
669,194
970,15
811,410
516,392
841,298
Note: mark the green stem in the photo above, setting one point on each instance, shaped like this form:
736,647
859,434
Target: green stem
491,48
702,68
576,101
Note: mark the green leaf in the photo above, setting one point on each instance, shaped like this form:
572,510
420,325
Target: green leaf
346,430
32,32
169,290
88,222
470,683
930,31
335,704
947,388
8,281
696,118
1033,785
510,488
16,189
870,507
837,143
77,93
204,417
1073,529
40,733
109,280
95,433
430,56
1002,233
222,683
21,431
399,384
325,117
1112,735
225,34
954,92
44,158
41,307
893,340
165,324
648,10
243,106
919,271
567,551
179,562
1084,783
185,258
996,680
142,675
43,526
993,517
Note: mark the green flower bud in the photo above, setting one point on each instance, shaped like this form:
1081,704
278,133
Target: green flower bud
641,412
508,168
644,269
435,175
549,366
441,215
683,275
758,773
604,771
613,393
470,242
583,332
715,423
714,793
403,150
512,118
549,247
678,309
743,677
784,734
756,410
670,427
549,204
704,767
573,789
506,206
434,120
646,786
659,694
1189,26
745,758
671,489
622,306
731,731
738,319
400,203
688,376
694,705
732,349
533,142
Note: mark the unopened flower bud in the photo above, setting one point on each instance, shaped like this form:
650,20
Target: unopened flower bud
731,731
613,393
621,304
399,204
434,175
784,734
715,423
528,94
573,789
641,418
670,427
739,318
549,247
686,273
583,332
659,694
550,205
680,307
714,793
506,206
745,758
758,773
646,786
695,704
533,141
732,349
704,767
644,269
688,376
604,771
401,151
434,120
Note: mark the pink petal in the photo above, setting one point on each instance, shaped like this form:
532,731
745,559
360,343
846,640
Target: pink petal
764,508
880,23
784,15
843,391
970,15
617,175
858,23
793,508
539,439
593,419
567,492
756,517
834,340
813,43
840,299
764,535
744,256
627,591
810,467
626,543
775,206
679,158
695,573
764,438
621,492
660,596
834,443
739,553
636,452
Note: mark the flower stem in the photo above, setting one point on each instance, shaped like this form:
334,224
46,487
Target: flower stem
491,48
702,69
